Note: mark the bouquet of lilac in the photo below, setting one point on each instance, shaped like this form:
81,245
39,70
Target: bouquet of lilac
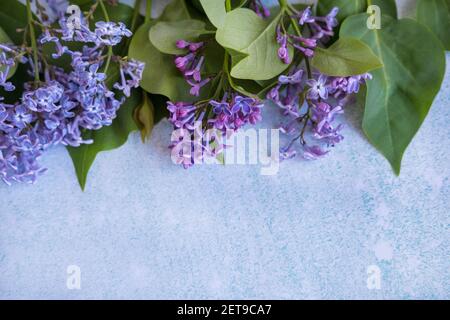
309,100
59,104
86,74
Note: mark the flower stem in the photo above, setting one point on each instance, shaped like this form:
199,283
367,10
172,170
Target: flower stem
283,4
299,33
228,5
148,11
110,49
137,6
33,42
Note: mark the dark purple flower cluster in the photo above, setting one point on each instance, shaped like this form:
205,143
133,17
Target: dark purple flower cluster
313,104
191,64
64,103
317,29
200,126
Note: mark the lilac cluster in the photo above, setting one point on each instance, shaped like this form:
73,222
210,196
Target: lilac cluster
260,9
313,104
317,29
204,124
65,103
191,64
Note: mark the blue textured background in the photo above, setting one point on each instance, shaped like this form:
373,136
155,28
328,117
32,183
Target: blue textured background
145,228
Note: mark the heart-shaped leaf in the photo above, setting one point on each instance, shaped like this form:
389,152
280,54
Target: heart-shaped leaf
387,7
346,7
165,34
13,16
215,10
107,138
401,92
252,44
160,75
350,7
435,14
346,57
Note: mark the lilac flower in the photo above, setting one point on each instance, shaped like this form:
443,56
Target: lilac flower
318,88
229,114
64,103
8,55
243,104
283,51
221,107
110,33
130,75
319,29
305,16
312,104
191,65
313,152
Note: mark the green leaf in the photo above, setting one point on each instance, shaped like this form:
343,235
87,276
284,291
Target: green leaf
144,116
160,75
346,57
13,16
117,13
401,92
351,7
174,11
215,10
5,39
165,34
252,44
435,14
388,7
107,138
346,7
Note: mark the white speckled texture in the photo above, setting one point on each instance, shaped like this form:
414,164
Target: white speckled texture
145,228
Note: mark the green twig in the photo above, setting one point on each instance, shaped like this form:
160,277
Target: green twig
148,11
33,42
110,49
137,6
228,5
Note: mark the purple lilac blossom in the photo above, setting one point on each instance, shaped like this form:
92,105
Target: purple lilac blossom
319,29
64,104
313,104
191,64
227,115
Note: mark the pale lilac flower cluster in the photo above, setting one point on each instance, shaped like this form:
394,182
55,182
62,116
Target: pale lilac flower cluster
105,33
260,9
8,56
317,29
313,104
191,64
197,121
65,103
